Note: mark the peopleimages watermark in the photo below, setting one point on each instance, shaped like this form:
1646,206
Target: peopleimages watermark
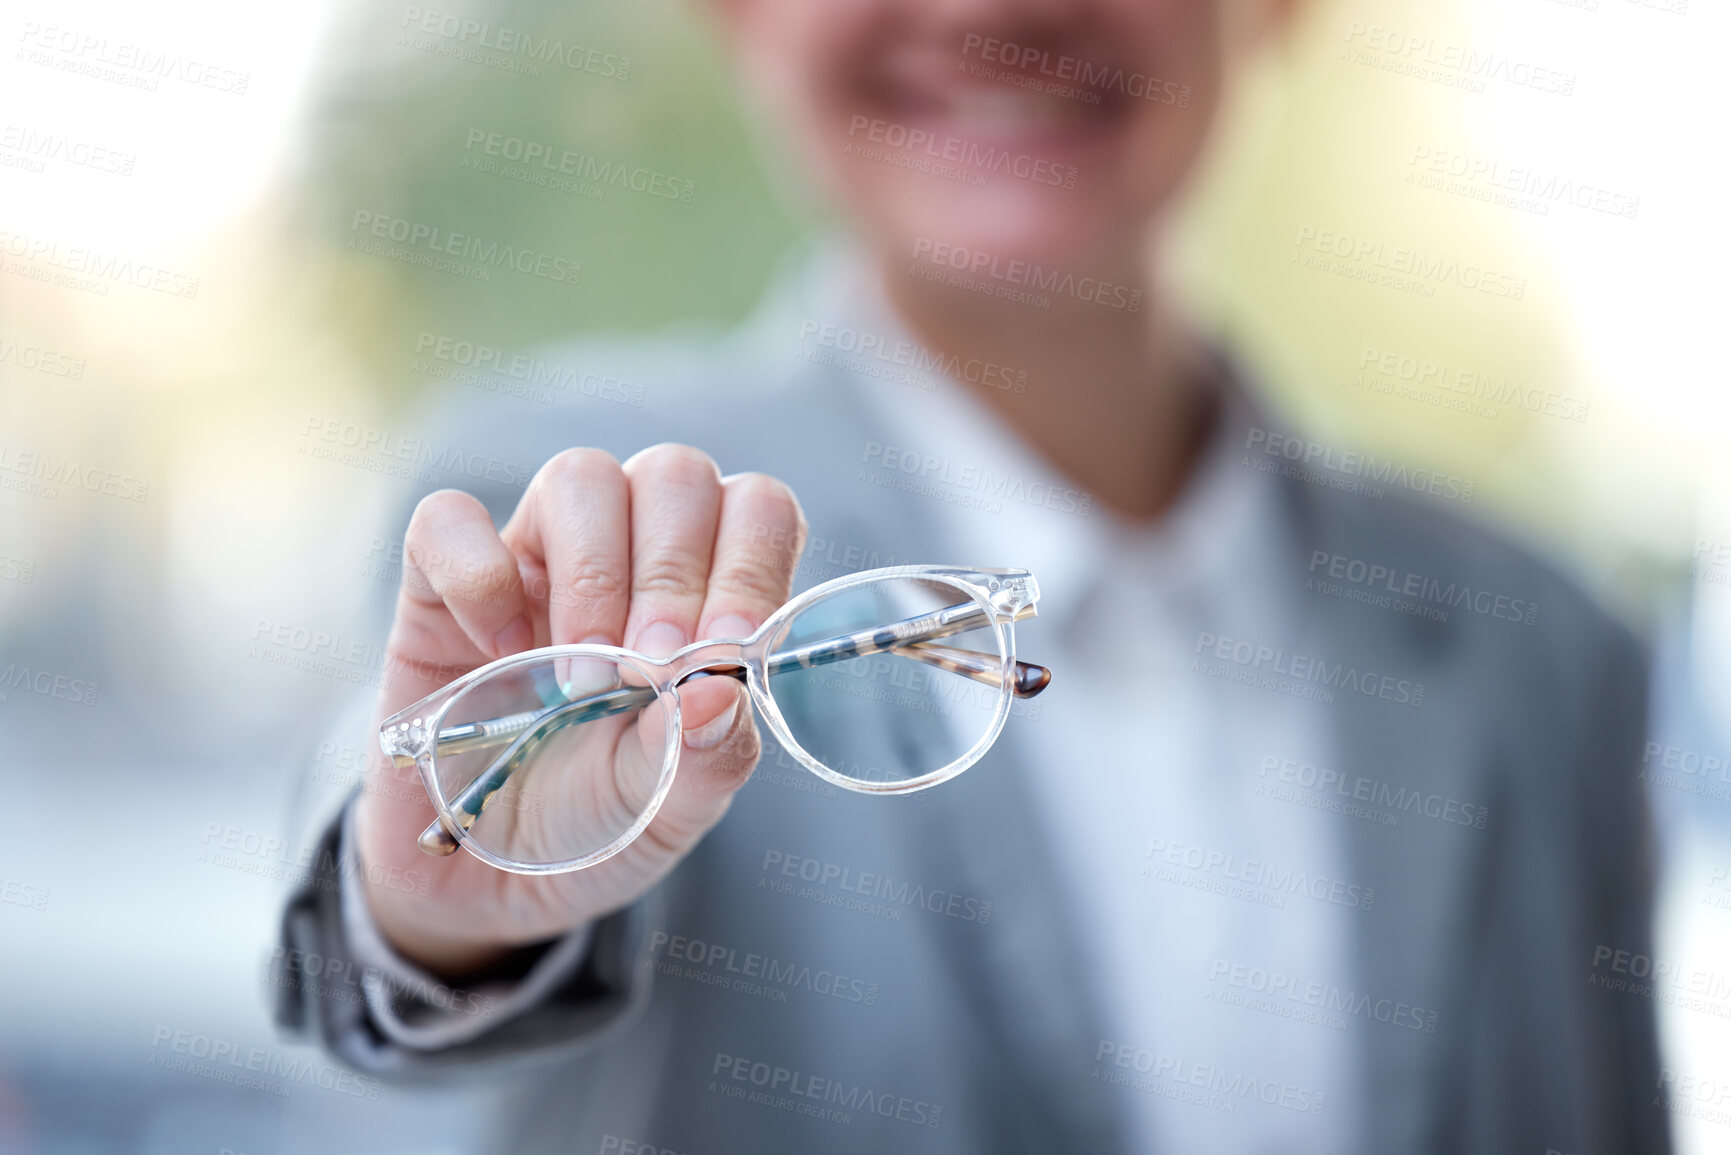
88,270
865,892
1393,588
318,651
614,1145
255,1068
1068,76
776,768
829,1099
30,150
15,893
42,474
1660,979
41,359
502,47
969,484
461,569
493,369
446,251
1368,799
344,980
1459,66
124,62
1694,1097
1203,1084
1711,562
1400,267
1304,675
822,557
565,170
952,157
1399,369
346,766
20,677
1522,187
1251,879
411,458
869,354
1348,469
1718,888
747,972
1321,1004
1014,280
268,856
1689,771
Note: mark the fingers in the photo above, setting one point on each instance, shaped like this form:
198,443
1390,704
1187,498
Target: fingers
675,503
572,534
454,559
709,775
761,535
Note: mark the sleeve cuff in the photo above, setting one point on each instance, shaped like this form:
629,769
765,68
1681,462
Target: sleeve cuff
418,1011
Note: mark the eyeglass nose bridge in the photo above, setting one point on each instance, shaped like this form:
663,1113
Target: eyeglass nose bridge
726,658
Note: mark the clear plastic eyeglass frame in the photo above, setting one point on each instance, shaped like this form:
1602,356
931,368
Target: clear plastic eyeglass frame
997,598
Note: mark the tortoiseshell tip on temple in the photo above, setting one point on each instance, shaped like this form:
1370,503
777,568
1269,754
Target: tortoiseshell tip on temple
1031,679
436,840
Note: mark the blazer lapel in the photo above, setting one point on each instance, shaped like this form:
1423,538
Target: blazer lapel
1426,868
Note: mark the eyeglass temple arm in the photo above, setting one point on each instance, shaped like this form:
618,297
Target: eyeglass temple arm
914,638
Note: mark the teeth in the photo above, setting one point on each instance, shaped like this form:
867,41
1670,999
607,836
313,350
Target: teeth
986,111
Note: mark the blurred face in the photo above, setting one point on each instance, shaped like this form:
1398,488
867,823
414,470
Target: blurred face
1046,130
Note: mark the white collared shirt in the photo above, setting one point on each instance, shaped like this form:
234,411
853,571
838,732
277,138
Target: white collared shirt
1213,974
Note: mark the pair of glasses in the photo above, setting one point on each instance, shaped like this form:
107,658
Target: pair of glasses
883,682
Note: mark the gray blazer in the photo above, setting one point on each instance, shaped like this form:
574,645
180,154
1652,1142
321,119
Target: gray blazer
946,1015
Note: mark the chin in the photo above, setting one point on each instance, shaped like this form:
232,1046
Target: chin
1060,235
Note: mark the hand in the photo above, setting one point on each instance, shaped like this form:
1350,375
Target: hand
652,555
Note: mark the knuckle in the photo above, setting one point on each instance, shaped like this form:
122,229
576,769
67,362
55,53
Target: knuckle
770,505
577,466
445,555
440,509
672,576
674,463
590,583
488,582
763,487
759,581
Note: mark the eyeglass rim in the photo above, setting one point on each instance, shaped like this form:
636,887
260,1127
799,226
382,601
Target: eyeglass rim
1005,593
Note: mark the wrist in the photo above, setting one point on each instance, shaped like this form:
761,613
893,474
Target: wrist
424,942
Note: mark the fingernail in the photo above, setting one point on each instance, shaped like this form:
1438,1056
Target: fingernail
514,638
713,731
731,626
660,639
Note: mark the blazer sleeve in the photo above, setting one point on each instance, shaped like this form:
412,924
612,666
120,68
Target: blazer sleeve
340,985
1622,860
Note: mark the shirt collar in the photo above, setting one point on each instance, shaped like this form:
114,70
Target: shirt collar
1024,512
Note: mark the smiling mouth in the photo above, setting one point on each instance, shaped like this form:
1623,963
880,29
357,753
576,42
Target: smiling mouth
943,90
